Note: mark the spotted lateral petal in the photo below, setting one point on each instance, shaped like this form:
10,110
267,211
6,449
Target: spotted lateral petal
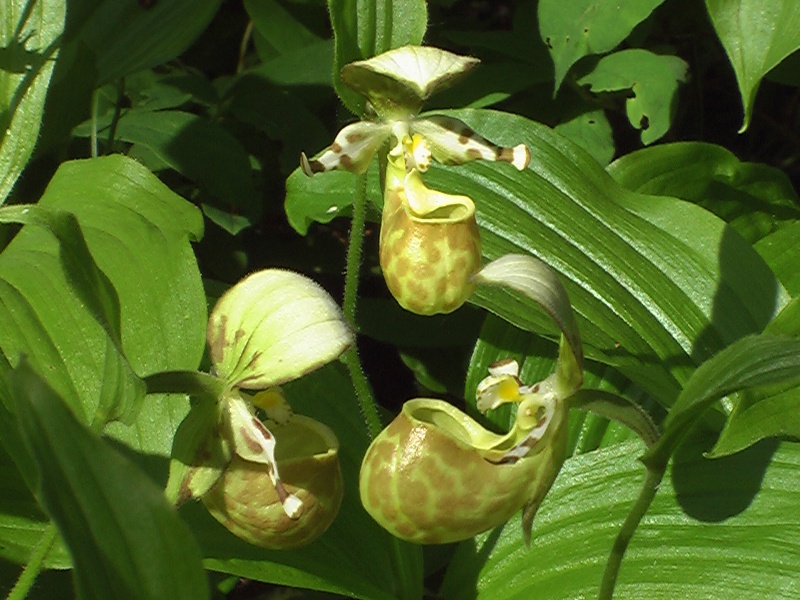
253,442
352,150
452,142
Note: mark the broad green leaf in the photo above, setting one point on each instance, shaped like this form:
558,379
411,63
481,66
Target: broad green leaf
365,28
30,38
658,285
718,529
653,80
355,557
321,199
125,540
757,35
752,362
126,37
756,199
580,28
201,151
592,132
781,251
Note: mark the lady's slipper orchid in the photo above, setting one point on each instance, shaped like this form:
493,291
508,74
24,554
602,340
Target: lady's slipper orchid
275,483
430,246
434,475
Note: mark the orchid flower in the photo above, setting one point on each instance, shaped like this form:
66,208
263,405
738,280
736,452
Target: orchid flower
430,245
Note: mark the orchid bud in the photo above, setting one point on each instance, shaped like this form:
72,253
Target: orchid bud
429,242
435,475
300,508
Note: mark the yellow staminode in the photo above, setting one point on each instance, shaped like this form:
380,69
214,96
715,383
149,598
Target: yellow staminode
272,402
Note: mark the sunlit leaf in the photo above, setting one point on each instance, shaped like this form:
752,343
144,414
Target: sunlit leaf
717,529
579,28
757,35
29,45
652,78
755,198
125,540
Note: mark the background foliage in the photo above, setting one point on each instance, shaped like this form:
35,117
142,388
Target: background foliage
150,159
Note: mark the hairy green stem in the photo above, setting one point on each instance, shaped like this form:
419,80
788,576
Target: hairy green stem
364,394
635,515
34,566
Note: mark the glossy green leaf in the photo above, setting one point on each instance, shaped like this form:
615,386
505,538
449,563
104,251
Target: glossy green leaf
199,150
580,28
322,199
658,285
365,28
125,540
355,556
592,132
757,35
718,529
30,36
752,362
781,251
126,37
756,199
652,78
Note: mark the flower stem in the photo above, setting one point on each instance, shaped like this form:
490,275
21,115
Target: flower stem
635,515
364,394
34,566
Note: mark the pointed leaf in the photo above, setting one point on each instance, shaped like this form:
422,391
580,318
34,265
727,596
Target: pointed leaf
125,540
754,361
579,28
757,35
30,39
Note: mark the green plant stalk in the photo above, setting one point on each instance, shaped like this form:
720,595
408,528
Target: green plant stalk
635,515
364,394
112,129
34,566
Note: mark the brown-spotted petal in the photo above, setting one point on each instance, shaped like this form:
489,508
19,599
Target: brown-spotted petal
453,142
272,327
352,149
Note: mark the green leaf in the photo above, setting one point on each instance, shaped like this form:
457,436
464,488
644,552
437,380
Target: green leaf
355,557
580,28
708,516
754,361
366,28
652,78
756,199
781,251
126,37
612,406
321,199
658,285
30,38
199,150
125,540
278,26
757,35
592,132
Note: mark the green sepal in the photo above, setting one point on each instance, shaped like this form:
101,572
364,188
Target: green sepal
613,406
397,82
199,454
